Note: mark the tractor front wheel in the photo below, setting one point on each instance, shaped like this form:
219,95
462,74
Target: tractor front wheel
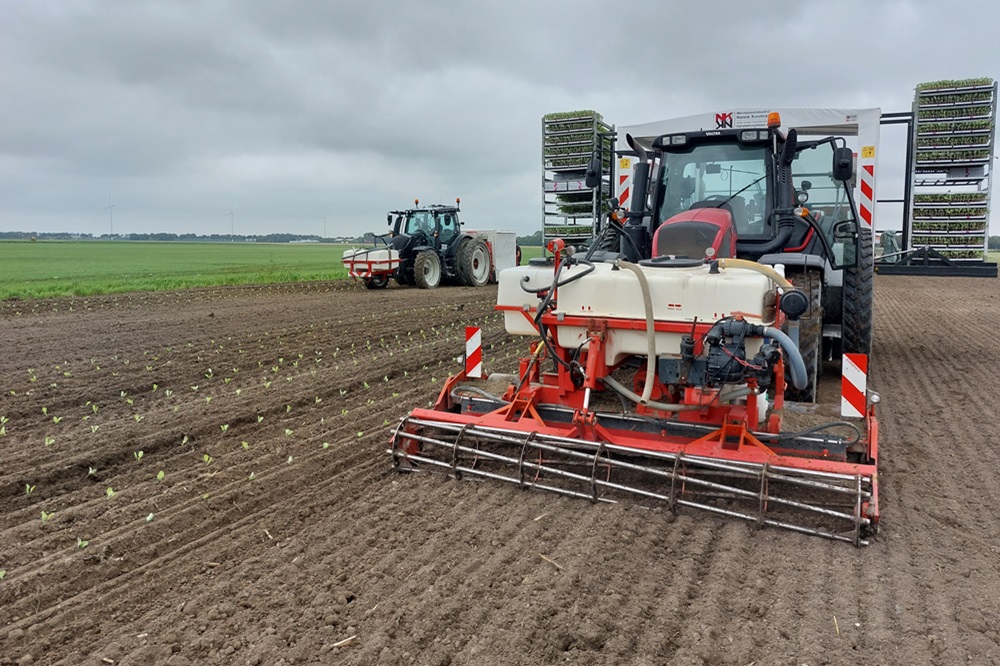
427,270
810,336
858,291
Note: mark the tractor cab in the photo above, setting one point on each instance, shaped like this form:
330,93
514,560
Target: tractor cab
762,195
434,226
750,193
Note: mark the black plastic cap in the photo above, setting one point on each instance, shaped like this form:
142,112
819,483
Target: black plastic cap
794,303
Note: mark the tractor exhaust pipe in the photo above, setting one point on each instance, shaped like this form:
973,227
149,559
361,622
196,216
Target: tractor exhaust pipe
636,229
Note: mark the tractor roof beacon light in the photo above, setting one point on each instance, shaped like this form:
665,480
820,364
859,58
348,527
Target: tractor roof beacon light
773,120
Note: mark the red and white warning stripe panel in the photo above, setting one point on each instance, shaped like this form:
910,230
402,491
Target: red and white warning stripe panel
854,385
473,352
866,183
624,189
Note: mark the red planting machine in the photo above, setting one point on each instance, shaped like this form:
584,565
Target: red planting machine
662,380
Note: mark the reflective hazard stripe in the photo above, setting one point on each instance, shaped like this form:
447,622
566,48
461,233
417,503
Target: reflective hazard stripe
473,352
623,190
854,385
866,205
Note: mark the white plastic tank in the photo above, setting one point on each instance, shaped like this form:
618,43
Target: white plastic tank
679,294
368,259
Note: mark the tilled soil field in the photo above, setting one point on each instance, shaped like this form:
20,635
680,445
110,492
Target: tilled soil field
201,478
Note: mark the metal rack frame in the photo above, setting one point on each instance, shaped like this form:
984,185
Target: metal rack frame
563,176
924,176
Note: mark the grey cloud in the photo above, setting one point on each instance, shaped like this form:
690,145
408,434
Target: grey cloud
303,110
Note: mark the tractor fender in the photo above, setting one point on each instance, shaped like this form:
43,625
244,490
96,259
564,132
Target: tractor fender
456,243
794,259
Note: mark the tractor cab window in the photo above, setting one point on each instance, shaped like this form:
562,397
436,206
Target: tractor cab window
724,175
826,200
449,226
421,221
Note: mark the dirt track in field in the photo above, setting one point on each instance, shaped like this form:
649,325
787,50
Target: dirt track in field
325,542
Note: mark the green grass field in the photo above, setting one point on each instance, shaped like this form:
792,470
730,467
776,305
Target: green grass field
85,268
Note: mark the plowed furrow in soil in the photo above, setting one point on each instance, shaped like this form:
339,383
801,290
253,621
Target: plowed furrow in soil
330,387
220,493
386,462
326,543
937,475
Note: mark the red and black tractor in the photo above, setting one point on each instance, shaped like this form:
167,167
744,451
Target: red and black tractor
763,195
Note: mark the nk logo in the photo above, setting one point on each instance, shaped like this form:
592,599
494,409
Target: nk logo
723,120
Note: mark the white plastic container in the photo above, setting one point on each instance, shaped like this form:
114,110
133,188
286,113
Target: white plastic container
511,295
678,295
365,261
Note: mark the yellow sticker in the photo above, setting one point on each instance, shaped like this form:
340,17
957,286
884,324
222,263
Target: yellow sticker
624,163
867,152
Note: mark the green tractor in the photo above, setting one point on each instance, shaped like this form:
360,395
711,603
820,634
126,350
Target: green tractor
425,247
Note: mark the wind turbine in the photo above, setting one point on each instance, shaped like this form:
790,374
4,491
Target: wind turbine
232,221
111,215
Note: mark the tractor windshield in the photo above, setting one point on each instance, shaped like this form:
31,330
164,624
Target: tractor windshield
727,175
420,221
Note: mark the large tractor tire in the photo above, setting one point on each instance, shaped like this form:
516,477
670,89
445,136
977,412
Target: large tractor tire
810,336
427,270
473,260
377,282
856,328
609,240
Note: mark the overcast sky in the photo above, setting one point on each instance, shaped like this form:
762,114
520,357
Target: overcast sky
299,111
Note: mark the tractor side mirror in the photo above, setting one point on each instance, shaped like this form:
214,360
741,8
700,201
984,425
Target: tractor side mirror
843,164
388,219
593,177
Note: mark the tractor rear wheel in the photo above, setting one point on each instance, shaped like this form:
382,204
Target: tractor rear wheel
810,336
856,329
427,270
376,282
473,262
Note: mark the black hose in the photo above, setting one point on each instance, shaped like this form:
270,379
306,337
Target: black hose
824,426
555,282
